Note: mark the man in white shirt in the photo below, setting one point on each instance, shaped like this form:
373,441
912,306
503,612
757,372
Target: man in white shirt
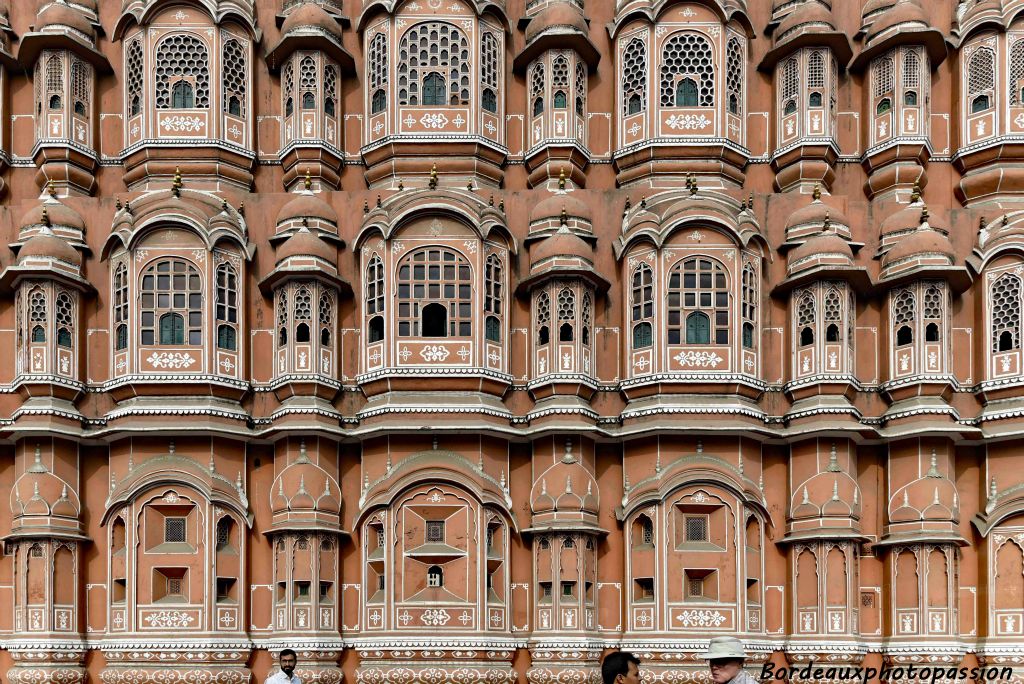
285,675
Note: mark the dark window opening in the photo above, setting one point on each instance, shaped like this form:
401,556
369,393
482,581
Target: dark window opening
910,98
560,100
38,334
538,106
308,101
686,93
698,328
643,335
433,89
931,333
492,329
565,333
435,320
227,338
884,106
748,335
544,336
183,96
64,338
55,102
980,104
806,336
380,102
489,101
302,332
377,329
904,335
1005,341
832,333
234,106
635,104
172,329
814,99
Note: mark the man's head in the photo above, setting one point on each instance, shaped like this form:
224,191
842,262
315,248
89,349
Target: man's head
620,667
725,658
287,661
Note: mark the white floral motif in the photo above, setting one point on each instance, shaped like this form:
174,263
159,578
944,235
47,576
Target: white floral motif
700,618
433,353
437,120
226,364
701,359
435,617
470,246
687,122
182,124
634,129
174,360
458,121
170,618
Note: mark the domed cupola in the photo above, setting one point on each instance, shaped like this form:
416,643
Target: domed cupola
810,23
905,221
304,254
304,496
808,220
307,209
44,504
45,253
551,213
565,495
831,495
824,255
871,11
924,253
55,216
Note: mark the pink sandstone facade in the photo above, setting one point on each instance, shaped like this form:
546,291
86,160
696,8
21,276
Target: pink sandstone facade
462,340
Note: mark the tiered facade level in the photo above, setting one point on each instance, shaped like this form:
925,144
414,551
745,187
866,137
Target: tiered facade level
461,340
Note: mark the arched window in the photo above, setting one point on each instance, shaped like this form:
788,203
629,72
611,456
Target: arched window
81,78
642,306
543,318
434,294
489,72
307,82
537,88
375,299
806,319
698,284
585,320
981,78
903,317
1015,84
377,69
749,303
581,89
433,89
54,81
282,318
833,315
911,76
302,314
492,298
434,65
634,78
182,73
816,74
182,95
687,58
37,317
734,74
882,84
134,77
325,315
560,82
233,78
288,88
227,307
171,304
1004,305
330,90
790,85
120,307
566,315
435,576
933,297
64,317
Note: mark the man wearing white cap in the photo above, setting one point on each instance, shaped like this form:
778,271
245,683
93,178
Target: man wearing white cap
725,657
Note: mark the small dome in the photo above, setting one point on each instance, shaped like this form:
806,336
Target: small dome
902,15
40,492
923,242
59,14
56,214
306,243
307,205
873,8
565,488
558,14
564,243
49,246
311,15
825,247
812,217
304,486
811,16
551,208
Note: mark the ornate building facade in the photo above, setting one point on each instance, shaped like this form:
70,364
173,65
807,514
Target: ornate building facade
462,340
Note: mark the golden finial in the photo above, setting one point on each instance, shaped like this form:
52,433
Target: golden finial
827,223
433,177
816,193
561,179
501,205
378,200
643,201
366,207
401,186
51,188
750,202
693,185
924,214
743,205
117,204
223,205
1006,219
469,185
981,223
176,183
241,208
564,216
46,217
626,207
490,202
915,194
128,206
308,183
